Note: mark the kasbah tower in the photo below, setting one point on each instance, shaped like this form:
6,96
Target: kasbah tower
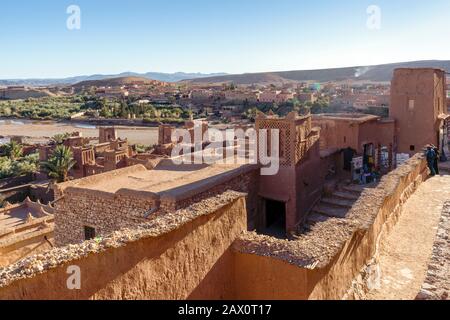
418,105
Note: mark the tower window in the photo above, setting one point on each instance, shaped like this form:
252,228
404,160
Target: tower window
412,148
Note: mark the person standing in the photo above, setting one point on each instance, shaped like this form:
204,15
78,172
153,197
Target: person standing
431,156
436,159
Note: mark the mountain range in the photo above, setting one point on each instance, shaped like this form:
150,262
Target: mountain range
164,77
375,73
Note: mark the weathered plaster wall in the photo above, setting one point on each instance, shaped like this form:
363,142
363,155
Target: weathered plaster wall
417,124
35,243
181,255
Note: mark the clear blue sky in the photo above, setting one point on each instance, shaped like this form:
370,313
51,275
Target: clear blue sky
233,36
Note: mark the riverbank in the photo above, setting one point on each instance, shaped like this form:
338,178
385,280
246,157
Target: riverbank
98,122
41,131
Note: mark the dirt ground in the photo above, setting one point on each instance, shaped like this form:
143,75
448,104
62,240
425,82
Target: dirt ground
406,251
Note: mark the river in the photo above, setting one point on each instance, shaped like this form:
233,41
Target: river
41,131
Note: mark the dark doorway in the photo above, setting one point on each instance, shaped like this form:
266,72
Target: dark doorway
275,219
89,233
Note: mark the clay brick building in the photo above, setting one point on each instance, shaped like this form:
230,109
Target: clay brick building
109,154
98,205
365,134
283,205
107,135
418,105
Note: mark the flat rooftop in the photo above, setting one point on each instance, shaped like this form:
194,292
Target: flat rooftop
356,117
166,180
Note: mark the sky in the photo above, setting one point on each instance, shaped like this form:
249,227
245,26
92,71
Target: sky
232,36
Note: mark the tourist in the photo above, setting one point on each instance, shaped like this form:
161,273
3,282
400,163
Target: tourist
431,156
436,159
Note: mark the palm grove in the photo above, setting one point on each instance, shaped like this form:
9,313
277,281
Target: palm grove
14,164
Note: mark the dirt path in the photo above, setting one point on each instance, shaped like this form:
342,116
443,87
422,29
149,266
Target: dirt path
406,251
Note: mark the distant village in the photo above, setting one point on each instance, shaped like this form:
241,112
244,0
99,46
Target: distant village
149,102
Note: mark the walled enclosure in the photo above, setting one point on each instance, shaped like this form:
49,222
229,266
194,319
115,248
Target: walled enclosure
189,254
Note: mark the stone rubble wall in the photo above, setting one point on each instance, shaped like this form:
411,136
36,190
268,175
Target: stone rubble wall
437,282
103,211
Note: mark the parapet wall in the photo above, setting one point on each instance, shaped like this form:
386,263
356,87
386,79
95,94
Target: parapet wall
181,255
323,263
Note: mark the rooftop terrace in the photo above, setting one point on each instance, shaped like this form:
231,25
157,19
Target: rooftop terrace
166,180
356,117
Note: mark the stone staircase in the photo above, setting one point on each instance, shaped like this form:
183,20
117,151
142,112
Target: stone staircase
335,206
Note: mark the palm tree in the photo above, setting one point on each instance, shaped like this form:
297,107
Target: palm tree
60,138
13,150
59,164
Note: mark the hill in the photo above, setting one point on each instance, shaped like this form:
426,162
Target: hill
378,73
116,82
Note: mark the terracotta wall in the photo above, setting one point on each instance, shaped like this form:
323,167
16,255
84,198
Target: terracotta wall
377,132
342,134
310,179
339,134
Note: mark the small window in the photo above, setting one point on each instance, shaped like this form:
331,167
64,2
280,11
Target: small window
412,148
89,233
345,139
411,104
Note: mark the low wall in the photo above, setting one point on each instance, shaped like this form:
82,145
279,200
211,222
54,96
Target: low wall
23,246
323,263
181,255
15,182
